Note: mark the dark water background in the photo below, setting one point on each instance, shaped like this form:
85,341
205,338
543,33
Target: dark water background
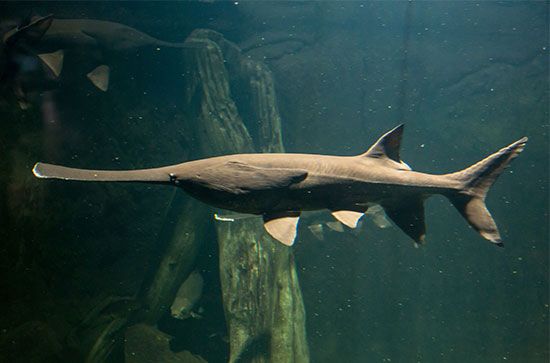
466,77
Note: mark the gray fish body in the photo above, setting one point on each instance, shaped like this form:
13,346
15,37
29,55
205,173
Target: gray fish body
70,33
261,183
45,40
280,186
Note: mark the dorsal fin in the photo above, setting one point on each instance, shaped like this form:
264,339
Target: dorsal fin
388,145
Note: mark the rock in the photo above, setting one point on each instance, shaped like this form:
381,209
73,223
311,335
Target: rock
145,344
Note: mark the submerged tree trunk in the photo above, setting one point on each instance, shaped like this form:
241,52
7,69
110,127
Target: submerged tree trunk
185,233
262,298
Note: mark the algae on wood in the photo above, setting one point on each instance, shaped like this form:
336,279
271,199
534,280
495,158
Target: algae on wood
262,299
184,240
260,290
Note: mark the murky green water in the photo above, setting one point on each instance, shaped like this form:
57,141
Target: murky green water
89,271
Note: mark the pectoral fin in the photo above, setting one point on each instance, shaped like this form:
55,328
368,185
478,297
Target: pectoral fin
282,226
54,61
100,77
409,216
348,217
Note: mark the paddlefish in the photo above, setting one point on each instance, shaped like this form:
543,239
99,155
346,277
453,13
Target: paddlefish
49,38
280,186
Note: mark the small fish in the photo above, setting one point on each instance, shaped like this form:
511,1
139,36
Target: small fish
187,297
280,186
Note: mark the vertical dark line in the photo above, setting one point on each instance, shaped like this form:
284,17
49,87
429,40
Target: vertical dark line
395,322
404,68
363,97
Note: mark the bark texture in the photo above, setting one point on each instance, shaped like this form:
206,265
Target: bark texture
262,299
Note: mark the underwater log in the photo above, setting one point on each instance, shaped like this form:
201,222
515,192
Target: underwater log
184,240
261,295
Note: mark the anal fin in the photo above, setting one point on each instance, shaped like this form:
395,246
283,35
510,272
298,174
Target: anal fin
282,226
347,217
409,216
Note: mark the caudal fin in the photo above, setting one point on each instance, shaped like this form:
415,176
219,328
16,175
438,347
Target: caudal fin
476,182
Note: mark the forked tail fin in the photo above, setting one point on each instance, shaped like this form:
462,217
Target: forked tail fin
475,183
